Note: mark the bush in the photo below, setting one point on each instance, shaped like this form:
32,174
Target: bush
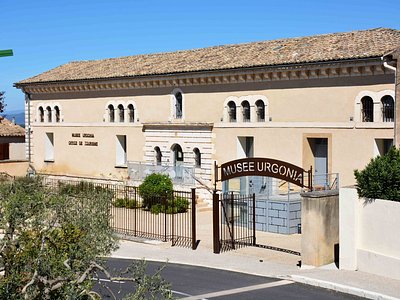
128,203
155,189
380,179
178,205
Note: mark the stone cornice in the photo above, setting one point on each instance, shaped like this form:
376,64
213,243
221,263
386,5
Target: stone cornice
178,126
265,74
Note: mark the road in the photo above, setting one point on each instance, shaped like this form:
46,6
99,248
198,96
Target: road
192,282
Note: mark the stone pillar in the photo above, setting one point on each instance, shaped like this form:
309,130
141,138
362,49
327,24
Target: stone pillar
319,228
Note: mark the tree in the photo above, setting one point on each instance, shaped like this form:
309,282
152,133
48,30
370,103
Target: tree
380,179
54,239
2,103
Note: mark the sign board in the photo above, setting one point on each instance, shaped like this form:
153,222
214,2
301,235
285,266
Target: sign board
262,167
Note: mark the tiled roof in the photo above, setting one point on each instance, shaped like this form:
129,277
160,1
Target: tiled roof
319,48
7,128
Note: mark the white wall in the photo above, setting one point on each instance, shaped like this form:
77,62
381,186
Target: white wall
368,234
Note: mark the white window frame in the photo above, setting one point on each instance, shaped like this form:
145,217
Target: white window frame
121,151
49,147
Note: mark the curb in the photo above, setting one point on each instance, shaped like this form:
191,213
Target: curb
339,287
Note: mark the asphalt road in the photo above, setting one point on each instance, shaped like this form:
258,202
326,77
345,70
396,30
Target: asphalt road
191,282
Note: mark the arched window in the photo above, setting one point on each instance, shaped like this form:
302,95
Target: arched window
232,111
111,113
178,105
367,109
41,114
48,112
246,111
121,113
131,113
158,155
260,110
387,108
197,157
57,111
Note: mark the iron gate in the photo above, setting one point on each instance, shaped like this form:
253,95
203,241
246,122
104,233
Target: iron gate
234,221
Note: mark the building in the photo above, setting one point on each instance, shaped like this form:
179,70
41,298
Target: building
325,101
12,149
12,141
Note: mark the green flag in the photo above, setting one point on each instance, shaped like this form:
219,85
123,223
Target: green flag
8,52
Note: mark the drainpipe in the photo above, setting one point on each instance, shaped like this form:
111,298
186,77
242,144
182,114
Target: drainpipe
390,67
28,100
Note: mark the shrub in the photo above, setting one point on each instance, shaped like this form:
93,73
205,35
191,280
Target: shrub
128,203
178,205
155,189
380,179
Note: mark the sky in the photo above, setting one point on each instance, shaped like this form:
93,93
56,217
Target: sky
45,34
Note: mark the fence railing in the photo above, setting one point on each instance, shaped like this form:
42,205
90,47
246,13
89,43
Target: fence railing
170,217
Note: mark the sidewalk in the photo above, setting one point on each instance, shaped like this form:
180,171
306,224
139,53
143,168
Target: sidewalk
263,262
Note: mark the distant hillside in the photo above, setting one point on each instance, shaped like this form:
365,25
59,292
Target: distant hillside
19,116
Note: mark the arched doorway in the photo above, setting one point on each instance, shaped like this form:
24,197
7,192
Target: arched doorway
177,158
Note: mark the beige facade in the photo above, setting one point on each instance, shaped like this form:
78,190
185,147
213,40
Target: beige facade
282,112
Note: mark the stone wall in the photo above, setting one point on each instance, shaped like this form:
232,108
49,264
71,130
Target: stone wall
278,216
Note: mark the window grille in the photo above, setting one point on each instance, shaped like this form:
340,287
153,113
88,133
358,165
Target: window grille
121,113
41,114
388,109
131,113
57,110
367,109
111,113
260,109
178,105
48,111
246,111
232,111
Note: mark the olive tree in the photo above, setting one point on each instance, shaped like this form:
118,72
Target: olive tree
53,240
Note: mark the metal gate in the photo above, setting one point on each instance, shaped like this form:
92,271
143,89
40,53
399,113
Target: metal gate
233,221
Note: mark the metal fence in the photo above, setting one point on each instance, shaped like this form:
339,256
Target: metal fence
236,226
167,218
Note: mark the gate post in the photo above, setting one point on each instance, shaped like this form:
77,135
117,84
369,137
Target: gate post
216,238
194,241
232,221
254,219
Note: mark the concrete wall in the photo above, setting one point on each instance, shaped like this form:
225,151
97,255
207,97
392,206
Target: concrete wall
319,228
369,239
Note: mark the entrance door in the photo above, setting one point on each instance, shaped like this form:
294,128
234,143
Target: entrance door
320,161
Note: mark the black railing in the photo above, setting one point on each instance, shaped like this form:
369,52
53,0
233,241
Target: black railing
237,226
170,217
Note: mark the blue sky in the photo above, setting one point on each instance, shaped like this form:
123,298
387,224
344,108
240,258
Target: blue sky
44,34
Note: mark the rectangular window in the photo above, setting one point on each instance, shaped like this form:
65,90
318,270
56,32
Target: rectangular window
121,160
382,146
49,147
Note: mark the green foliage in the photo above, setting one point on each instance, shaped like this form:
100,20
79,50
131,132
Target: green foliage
380,179
2,101
52,239
127,203
155,189
178,205
147,286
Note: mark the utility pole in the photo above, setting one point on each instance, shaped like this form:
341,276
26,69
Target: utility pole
8,52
